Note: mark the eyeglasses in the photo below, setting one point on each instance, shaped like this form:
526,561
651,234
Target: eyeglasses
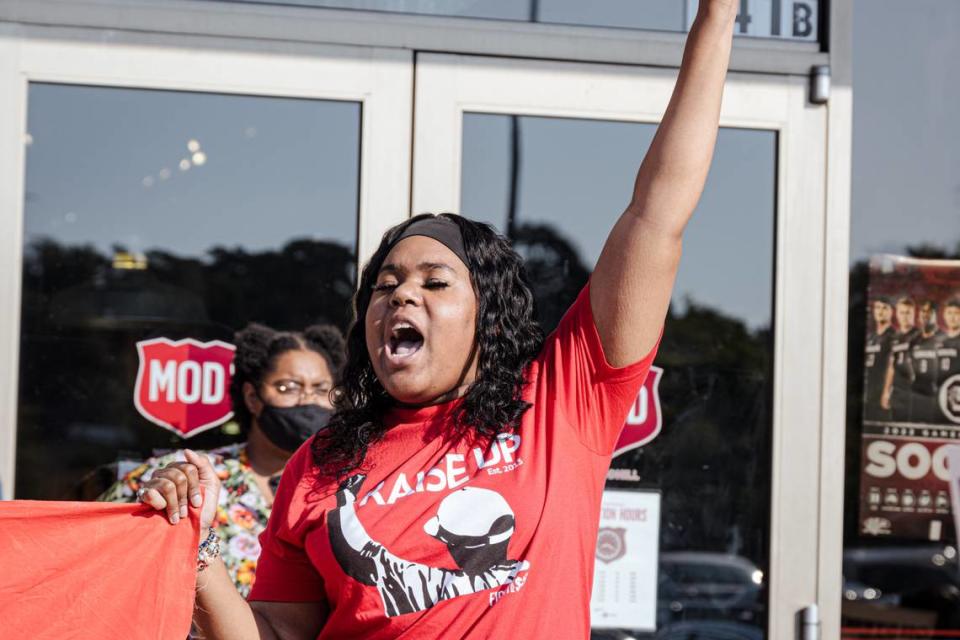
294,392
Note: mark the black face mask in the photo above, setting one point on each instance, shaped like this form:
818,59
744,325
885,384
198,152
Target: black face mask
290,427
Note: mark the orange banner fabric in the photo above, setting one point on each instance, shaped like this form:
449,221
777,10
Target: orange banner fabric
94,570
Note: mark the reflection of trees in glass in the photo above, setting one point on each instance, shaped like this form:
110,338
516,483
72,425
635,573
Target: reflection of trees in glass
712,459
306,281
81,318
554,268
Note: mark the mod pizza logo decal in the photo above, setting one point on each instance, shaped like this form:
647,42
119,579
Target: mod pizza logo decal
184,385
611,544
645,419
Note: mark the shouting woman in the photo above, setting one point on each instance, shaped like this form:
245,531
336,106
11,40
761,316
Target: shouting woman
456,491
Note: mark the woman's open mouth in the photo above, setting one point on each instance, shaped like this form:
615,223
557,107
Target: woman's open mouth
404,341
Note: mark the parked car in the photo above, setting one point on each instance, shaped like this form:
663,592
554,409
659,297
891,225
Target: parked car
701,585
922,581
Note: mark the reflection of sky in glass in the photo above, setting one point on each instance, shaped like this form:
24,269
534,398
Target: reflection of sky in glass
577,175
906,135
186,172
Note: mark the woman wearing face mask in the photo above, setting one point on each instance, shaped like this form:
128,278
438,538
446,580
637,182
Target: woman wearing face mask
456,491
280,393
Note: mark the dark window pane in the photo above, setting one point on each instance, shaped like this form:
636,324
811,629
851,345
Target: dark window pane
556,186
166,214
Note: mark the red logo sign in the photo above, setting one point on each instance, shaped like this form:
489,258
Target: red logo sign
184,385
644,421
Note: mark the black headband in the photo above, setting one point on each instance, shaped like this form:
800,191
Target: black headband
443,230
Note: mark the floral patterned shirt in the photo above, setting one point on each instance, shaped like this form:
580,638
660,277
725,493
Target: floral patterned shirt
241,514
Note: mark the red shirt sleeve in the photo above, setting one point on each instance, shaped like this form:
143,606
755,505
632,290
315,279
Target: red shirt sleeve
285,572
595,396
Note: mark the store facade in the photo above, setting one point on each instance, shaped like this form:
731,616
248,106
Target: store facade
174,170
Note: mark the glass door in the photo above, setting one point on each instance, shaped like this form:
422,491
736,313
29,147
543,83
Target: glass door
722,448
166,198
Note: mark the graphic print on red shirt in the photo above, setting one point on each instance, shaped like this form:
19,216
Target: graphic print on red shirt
462,539
475,524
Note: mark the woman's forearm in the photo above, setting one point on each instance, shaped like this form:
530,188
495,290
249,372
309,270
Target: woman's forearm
633,279
221,612
672,175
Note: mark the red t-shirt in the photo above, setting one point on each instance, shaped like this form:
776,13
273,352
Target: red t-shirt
459,540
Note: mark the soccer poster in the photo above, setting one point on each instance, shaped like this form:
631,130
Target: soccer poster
911,397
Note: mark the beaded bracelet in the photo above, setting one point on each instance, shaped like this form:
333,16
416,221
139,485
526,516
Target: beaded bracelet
208,551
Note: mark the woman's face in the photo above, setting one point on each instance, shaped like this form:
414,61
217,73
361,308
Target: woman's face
298,377
421,323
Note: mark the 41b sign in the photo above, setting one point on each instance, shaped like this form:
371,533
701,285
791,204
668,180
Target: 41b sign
786,19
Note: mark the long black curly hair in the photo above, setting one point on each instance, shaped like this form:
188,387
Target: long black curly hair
259,346
508,338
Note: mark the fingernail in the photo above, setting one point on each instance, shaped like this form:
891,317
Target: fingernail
174,519
183,511
196,500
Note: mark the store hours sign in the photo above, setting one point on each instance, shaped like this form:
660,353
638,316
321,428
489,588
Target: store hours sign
184,385
624,592
786,19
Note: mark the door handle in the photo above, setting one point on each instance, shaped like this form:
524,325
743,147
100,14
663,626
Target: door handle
810,623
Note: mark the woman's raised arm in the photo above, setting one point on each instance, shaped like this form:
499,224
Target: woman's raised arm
631,285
